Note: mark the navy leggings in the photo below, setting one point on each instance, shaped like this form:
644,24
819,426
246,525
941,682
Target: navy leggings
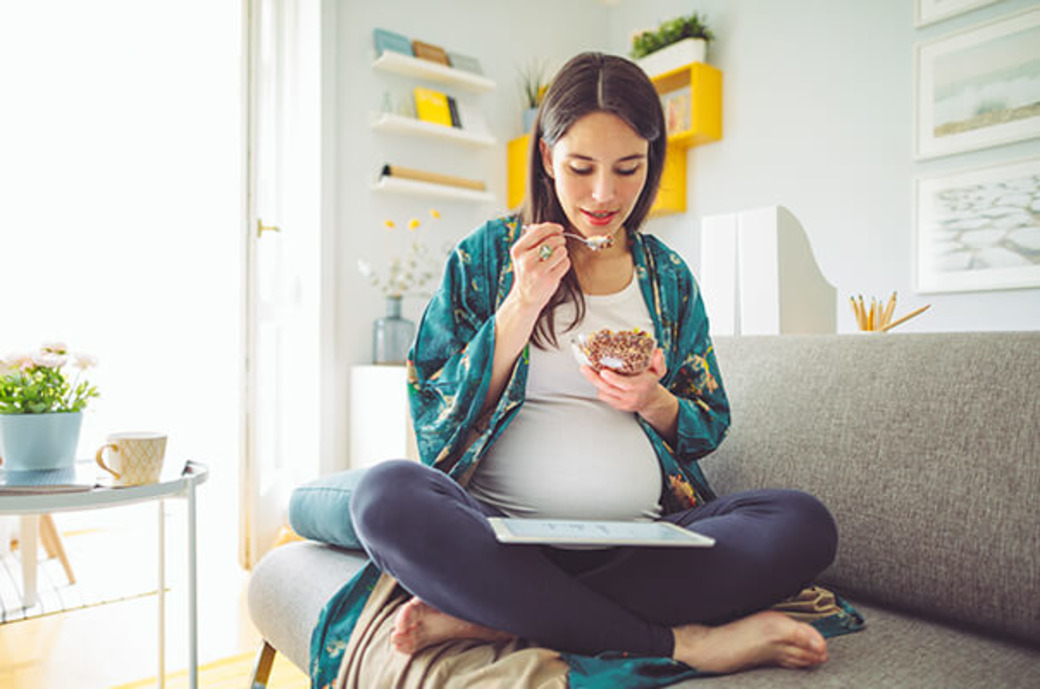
423,529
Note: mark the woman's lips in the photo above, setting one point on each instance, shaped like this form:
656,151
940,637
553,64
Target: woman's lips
597,218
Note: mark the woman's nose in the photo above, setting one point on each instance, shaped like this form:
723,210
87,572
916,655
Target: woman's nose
603,186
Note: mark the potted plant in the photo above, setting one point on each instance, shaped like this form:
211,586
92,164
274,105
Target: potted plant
674,43
41,407
532,85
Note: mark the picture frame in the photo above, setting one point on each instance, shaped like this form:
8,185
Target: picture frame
977,229
932,11
979,87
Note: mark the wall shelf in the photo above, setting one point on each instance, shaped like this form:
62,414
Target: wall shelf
416,188
411,126
398,63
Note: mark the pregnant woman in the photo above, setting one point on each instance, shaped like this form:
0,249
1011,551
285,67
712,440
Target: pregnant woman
509,424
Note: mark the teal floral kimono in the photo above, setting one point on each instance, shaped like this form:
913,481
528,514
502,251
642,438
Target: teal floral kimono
449,371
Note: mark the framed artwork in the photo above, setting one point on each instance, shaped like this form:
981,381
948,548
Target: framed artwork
979,229
980,87
931,11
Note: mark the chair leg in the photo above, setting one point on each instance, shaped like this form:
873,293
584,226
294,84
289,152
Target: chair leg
262,666
51,540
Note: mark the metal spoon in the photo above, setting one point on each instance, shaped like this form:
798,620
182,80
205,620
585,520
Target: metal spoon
595,242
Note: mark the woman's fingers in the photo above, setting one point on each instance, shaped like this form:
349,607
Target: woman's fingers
540,261
534,235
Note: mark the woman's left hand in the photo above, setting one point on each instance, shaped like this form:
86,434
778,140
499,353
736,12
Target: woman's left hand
641,393
637,392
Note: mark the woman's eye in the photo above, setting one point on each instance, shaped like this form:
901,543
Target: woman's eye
628,172
581,170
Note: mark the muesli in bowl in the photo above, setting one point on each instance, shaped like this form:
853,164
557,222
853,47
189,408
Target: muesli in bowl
623,351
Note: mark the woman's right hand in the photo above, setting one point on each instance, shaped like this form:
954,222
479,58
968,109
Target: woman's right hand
540,261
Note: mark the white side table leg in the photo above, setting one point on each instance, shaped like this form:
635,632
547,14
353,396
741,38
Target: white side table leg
161,676
28,545
193,623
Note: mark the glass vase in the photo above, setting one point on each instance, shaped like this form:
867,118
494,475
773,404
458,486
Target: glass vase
392,335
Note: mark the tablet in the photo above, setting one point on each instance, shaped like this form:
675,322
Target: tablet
596,533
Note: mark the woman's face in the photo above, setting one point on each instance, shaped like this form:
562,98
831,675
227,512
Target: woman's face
599,169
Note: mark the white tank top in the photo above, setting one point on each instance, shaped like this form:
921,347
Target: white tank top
566,454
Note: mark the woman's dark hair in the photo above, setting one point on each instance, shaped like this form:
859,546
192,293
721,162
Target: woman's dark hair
588,83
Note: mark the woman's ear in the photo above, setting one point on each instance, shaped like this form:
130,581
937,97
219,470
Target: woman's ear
546,158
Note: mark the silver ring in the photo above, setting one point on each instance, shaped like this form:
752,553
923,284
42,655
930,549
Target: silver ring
544,253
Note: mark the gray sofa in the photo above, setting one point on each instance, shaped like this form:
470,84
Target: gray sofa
927,450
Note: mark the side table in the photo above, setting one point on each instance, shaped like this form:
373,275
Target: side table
31,505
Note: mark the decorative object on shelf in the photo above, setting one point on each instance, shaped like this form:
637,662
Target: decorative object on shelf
931,11
979,229
674,43
878,319
533,84
428,51
980,87
465,62
388,40
407,274
41,408
432,177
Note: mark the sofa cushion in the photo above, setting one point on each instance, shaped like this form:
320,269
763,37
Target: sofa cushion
899,651
925,448
312,503
290,586
292,583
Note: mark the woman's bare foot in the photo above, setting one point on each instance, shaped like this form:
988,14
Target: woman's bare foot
419,625
765,638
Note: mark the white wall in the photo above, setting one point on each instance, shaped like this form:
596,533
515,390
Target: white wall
505,37
818,117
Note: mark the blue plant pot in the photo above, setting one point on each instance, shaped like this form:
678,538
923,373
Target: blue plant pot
39,441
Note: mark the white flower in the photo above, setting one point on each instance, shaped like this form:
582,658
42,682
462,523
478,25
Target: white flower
48,359
84,361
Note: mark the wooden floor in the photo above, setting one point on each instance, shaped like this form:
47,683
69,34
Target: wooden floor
115,643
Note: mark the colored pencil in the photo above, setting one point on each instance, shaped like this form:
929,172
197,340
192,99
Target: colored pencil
905,318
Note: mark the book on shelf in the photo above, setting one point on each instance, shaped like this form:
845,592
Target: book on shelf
82,476
676,105
432,106
388,40
465,62
428,51
431,177
453,108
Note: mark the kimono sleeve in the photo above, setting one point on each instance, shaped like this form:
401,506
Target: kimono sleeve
704,413
449,365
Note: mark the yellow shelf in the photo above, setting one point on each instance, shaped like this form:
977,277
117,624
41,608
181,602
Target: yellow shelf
516,170
704,115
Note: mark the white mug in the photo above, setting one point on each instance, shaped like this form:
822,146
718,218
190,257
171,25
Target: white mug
133,458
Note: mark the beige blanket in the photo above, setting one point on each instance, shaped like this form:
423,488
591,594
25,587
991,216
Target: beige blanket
370,661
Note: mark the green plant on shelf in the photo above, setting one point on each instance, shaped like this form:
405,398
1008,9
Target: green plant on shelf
533,84
669,32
